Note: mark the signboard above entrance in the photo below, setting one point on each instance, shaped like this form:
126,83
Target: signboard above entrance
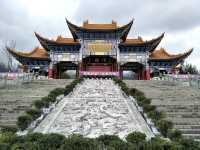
99,47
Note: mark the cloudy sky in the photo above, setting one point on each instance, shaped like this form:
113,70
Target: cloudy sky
179,19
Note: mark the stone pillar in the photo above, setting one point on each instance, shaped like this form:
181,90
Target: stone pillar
119,69
77,71
121,74
140,75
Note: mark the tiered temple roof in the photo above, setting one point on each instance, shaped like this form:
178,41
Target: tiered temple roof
140,43
122,31
163,55
157,55
37,53
63,40
90,26
63,44
59,42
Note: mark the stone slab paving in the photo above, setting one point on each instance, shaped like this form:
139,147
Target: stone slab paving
15,100
96,107
180,103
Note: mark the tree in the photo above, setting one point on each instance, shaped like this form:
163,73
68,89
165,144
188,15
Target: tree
8,56
189,68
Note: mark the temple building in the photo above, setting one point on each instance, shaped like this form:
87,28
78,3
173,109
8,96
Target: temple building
100,50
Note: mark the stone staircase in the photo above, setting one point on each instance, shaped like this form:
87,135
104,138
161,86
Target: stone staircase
180,103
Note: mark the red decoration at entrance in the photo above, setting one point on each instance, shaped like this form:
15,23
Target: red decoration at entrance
99,68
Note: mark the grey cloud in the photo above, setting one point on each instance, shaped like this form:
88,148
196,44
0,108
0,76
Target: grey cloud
150,15
17,24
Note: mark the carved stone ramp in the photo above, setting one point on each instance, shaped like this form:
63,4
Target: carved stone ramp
95,107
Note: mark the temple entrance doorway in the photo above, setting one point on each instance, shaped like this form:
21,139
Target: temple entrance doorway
66,70
133,70
99,66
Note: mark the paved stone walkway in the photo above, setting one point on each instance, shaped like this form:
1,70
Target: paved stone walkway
96,107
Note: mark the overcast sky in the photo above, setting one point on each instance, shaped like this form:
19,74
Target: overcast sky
179,19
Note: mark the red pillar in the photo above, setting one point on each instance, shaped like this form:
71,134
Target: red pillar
147,71
50,71
55,73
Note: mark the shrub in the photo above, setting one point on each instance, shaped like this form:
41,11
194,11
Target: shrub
23,122
4,146
148,108
140,98
5,129
57,91
34,113
136,137
40,104
108,139
33,137
78,142
49,99
51,141
117,145
155,115
136,93
175,135
8,138
164,126
158,143
68,89
189,144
